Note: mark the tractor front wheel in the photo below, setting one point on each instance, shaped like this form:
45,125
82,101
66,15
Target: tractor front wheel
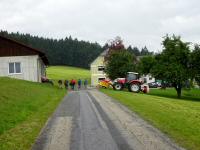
117,86
134,87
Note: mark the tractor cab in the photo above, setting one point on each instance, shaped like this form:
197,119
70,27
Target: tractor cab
132,76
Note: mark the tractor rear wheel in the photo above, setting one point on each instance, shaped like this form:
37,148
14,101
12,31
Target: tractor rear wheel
134,87
117,86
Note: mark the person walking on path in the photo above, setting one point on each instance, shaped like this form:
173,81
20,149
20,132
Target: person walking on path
66,84
72,84
85,83
60,84
79,84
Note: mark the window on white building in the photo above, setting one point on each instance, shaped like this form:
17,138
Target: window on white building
101,68
100,79
11,68
14,68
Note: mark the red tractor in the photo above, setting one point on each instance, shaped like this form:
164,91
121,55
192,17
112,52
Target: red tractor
131,82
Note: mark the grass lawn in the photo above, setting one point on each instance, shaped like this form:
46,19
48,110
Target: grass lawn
24,109
65,72
178,118
192,95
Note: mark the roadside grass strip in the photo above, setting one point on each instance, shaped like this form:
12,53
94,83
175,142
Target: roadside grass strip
178,118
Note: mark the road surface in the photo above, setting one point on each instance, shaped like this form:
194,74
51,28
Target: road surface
90,120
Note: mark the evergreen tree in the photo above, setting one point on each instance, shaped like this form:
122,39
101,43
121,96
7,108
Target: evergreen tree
136,51
145,51
66,51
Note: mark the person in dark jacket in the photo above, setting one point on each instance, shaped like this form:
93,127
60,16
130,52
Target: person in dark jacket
66,84
85,83
79,83
71,84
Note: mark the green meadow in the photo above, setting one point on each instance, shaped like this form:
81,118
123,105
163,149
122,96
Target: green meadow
24,108
178,118
67,73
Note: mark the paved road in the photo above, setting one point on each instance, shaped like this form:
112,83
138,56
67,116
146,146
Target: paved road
90,120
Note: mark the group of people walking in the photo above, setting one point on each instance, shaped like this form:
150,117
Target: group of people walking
72,83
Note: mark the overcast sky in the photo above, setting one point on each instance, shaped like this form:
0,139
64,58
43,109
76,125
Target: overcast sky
138,22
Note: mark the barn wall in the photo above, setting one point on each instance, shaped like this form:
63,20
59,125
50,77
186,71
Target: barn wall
29,67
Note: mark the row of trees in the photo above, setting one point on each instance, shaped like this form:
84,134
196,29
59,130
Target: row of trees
144,51
176,64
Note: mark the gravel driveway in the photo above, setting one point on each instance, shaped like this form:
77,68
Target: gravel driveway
90,120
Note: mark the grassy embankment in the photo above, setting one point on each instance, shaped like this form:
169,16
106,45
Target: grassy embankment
65,72
24,109
178,118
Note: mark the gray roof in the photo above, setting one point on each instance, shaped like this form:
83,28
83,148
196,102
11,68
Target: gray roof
104,53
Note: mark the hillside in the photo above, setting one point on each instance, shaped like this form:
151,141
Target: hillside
24,109
67,73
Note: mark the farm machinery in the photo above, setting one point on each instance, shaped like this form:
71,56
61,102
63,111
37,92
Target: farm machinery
131,82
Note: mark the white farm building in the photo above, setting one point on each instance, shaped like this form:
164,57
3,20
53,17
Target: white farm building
97,68
20,61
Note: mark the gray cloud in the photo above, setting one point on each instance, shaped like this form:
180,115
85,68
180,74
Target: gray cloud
138,22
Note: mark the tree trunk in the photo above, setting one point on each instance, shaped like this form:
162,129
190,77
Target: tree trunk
163,86
178,90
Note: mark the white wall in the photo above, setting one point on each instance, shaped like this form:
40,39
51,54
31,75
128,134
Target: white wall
29,67
148,78
95,74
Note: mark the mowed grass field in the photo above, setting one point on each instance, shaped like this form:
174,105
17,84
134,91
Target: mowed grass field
67,73
191,95
24,109
178,118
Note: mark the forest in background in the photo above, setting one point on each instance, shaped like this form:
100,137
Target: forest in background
68,51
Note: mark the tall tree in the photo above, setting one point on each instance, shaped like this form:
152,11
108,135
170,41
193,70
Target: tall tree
133,50
113,46
173,63
136,51
195,62
119,64
145,64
